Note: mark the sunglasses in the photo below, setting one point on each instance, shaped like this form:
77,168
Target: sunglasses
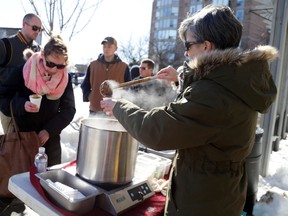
34,27
52,65
143,68
188,44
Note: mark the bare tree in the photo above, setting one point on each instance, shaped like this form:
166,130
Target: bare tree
163,53
133,53
68,15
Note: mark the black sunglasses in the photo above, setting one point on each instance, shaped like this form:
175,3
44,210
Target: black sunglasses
34,27
188,44
52,65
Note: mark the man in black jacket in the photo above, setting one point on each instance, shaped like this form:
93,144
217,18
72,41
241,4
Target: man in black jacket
11,51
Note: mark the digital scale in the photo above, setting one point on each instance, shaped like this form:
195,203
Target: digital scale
119,199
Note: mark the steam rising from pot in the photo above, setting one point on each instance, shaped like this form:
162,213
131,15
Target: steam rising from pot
151,94
158,93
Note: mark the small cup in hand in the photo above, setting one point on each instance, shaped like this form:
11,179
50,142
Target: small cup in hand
36,99
107,98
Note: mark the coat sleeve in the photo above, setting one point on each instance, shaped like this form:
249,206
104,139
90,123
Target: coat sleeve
86,86
8,88
193,120
162,128
2,52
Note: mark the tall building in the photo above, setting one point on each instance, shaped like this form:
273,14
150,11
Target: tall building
165,46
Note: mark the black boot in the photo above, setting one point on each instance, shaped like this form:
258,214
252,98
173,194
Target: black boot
9,205
4,204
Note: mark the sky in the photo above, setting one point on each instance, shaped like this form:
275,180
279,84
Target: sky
124,20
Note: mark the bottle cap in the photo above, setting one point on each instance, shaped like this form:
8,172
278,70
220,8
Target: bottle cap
41,150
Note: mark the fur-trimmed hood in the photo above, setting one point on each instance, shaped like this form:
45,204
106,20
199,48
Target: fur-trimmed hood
244,73
209,61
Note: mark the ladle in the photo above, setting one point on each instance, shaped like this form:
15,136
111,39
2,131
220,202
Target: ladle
106,89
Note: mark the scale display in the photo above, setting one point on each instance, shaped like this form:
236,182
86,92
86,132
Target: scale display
137,193
120,199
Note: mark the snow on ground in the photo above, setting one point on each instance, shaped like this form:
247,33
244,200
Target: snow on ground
273,189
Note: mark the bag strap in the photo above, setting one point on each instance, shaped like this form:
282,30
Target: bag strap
8,52
13,120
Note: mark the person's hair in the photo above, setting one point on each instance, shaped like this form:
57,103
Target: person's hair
29,16
214,23
150,63
56,46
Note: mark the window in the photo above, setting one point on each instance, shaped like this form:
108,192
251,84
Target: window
199,6
240,3
224,2
193,9
175,11
240,15
165,34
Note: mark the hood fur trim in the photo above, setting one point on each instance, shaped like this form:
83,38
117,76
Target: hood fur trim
27,53
203,64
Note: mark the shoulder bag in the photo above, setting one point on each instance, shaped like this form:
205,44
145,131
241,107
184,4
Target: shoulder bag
17,152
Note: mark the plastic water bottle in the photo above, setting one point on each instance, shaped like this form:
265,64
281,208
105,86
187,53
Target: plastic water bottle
41,160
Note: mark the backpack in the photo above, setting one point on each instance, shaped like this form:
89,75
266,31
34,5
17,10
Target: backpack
8,52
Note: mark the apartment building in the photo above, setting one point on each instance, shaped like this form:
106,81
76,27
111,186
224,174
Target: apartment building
165,46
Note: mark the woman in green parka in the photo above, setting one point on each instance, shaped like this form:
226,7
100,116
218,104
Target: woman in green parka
212,123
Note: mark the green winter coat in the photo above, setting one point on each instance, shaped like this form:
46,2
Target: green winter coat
212,126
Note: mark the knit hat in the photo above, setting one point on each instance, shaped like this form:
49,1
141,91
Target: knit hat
110,40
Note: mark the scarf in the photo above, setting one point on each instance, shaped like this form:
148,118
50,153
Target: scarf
40,82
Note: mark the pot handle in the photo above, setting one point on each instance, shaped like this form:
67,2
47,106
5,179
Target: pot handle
75,125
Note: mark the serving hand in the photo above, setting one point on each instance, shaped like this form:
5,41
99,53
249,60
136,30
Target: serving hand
107,105
169,73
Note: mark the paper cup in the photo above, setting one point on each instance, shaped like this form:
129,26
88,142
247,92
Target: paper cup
107,98
36,99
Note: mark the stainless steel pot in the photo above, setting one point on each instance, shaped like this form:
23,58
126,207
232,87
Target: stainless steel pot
106,152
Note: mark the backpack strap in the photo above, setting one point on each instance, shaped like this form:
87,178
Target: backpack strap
8,52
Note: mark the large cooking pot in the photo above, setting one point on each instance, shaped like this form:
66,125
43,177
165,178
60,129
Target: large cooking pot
106,152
